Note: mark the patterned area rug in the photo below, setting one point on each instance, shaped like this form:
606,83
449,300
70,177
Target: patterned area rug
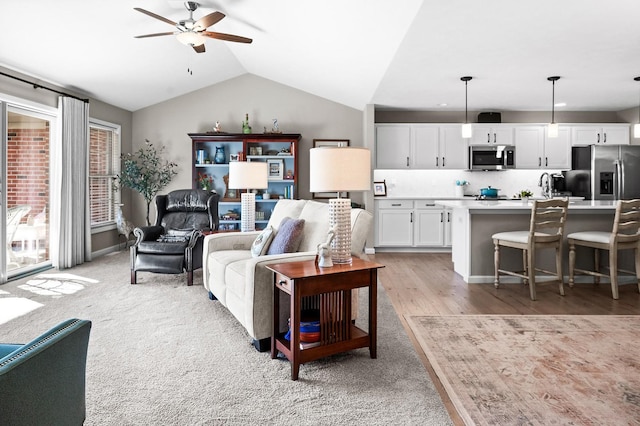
536,369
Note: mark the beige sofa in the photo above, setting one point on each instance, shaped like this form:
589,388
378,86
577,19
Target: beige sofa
244,285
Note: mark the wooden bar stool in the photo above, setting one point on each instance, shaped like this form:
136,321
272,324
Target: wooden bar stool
547,215
624,236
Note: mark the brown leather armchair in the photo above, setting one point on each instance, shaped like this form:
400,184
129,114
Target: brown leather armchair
174,244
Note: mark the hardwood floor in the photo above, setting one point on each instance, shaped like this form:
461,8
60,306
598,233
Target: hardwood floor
425,284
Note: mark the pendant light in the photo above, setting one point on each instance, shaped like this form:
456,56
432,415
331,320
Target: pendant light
636,127
552,131
466,127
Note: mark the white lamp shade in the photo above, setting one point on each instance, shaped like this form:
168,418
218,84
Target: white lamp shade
552,130
467,131
248,175
191,38
334,169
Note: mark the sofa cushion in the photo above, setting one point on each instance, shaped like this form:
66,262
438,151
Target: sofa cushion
316,225
285,208
261,243
288,237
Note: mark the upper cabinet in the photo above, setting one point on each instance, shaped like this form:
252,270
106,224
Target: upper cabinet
393,146
600,134
420,146
494,134
534,150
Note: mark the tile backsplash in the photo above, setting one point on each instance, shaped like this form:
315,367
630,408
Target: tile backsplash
442,183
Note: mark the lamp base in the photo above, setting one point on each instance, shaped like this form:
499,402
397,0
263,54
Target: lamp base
340,221
248,212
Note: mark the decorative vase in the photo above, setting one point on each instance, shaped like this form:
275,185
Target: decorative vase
220,157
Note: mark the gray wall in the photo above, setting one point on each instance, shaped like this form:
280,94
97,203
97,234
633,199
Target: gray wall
168,123
383,116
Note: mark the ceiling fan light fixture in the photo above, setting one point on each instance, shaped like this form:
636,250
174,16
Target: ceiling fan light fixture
552,130
467,131
190,38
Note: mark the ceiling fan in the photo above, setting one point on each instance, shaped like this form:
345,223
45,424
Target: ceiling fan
192,32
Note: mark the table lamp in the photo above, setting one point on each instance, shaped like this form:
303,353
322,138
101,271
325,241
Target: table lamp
248,175
340,169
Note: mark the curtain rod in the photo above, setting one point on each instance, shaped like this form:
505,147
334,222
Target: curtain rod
38,86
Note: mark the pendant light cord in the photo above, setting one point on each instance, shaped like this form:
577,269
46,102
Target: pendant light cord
553,101
638,79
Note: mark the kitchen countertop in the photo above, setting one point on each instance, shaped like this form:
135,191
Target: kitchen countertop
511,205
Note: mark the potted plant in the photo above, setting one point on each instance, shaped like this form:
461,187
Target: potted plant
204,181
146,172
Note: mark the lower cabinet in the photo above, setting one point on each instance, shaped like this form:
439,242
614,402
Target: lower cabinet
411,223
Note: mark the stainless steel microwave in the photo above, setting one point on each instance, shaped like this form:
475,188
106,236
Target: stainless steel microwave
496,157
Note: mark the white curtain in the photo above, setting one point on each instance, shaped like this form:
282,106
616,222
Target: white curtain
70,214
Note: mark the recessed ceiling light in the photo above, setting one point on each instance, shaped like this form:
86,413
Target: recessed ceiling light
443,105
561,104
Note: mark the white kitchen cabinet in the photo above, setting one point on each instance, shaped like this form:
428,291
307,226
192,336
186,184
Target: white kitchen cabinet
394,223
448,215
600,134
491,135
420,146
411,223
454,149
534,150
393,146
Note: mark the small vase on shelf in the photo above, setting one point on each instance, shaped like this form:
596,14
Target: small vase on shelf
220,157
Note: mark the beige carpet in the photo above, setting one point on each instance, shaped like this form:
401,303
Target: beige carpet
536,370
162,353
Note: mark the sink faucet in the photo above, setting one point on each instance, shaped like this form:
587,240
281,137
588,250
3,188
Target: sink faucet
545,184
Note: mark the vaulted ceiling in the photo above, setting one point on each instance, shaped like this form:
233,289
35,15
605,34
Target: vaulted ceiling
408,54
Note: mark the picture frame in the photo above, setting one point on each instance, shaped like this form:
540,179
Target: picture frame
338,143
380,189
275,169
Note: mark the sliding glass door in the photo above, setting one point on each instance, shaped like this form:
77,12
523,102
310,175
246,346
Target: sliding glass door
27,136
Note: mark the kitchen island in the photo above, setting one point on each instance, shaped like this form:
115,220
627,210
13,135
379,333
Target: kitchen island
475,221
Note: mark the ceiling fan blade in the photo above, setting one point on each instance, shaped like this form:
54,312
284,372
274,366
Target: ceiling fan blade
153,15
206,21
154,35
226,37
199,49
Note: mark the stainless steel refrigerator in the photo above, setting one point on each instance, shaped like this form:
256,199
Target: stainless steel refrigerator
605,172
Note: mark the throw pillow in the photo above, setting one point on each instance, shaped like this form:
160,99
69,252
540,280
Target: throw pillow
288,237
261,243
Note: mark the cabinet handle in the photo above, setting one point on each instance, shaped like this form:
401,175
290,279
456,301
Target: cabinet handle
407,161
441,217
437,161
411,217
598,138
442,161
448,216
605,138
396,204
546,161
488,137
539,161
494,138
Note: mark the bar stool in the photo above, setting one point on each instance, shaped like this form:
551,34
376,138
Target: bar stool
624,236
547,215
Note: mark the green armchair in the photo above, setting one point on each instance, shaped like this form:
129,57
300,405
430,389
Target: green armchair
43,381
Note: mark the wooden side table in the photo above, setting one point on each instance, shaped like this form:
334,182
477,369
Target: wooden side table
329,291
